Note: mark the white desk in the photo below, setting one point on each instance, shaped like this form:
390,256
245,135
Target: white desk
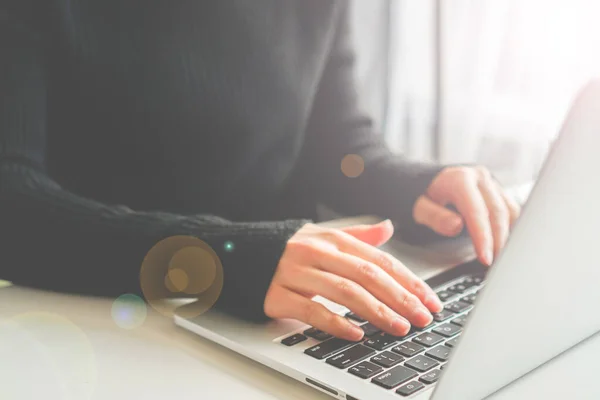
64,347
55,346
69,348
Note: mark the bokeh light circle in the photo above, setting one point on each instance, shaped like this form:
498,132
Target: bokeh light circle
181,268
192,270
353,165
54,355
229,246
129,311
177,280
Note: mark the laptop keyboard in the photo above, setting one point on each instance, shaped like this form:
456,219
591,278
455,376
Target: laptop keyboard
406,364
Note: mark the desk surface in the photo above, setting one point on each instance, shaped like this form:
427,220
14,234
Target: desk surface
55,346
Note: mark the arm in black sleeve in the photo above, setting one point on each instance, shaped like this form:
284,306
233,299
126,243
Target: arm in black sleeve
53,239
390,184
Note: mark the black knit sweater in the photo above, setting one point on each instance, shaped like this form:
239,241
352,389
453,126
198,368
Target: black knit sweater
123,122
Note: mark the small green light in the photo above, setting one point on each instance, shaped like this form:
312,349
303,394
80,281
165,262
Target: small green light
229,246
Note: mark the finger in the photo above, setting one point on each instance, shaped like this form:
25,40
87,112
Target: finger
349,294
375,235
437,217
498,212
287,304
404,276
513,207
379,284
470,203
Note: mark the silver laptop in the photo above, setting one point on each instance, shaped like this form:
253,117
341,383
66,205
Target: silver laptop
539,299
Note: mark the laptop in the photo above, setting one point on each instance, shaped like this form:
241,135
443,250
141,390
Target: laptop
538,300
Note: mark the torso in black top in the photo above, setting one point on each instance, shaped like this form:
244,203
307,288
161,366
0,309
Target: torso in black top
187,106
123,122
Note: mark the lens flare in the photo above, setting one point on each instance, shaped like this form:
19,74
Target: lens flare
177,280
129,311
192,270
229,246
353,165
181,268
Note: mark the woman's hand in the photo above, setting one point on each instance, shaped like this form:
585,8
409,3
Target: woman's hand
345,266
483,205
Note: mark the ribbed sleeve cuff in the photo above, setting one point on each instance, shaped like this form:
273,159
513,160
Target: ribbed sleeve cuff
416,182
249,268
407,182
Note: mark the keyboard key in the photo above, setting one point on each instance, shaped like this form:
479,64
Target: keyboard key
442,315
387,359
460,321
317,334
478,280
370,329
428,339
469,282
394,377
355,317
365,370
328,347
417,329
381,341
469,299
350,356
458,288
458,307
431,377
445,295
411,333
408,349
422,363
311,331
440,353
448,330
410,388
294,339
452,342
322,336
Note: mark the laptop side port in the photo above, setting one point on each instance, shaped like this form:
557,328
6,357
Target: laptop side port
321,386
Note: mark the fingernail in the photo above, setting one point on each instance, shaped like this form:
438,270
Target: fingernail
356,333
489,257
452,225
423,316
400,326
432,301
386,223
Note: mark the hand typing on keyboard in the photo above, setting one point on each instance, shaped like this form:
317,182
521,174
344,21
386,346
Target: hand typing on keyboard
479,202
346,267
